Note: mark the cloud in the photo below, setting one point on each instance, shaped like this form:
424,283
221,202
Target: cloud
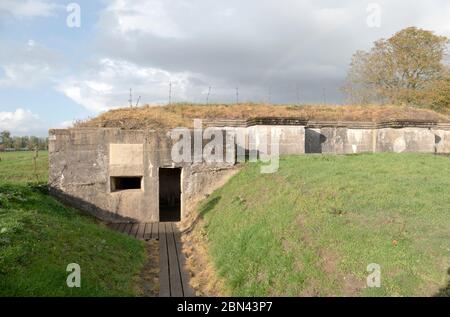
275,48
269,51
23,75
105,84
27,65
257,44
66,124
22,122
28,8
145,16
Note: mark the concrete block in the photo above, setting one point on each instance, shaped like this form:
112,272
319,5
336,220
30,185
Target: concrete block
418,140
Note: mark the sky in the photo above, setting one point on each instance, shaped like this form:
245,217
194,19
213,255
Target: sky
62,61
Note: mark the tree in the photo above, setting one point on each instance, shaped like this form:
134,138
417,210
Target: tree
437,94
43,144
17,143
33,143
403,69
25,142
6,139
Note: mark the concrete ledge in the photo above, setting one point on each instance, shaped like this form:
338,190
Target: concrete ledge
395,124
240,123
443,126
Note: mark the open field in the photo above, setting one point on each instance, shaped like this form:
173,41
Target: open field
313,228
39,237
18,167
182,115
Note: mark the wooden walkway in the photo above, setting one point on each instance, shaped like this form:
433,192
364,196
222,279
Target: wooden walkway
173,278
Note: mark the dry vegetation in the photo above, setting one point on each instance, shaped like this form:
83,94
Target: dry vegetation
177,115
203,276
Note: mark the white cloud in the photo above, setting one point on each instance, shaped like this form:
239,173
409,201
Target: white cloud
24,75
253,44
28,8
258,43
27,65
22,122
66,124
106,85
146,16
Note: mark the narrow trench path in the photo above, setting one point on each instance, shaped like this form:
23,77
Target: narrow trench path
173,277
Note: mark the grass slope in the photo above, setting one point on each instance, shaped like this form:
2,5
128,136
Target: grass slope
39,237
314,227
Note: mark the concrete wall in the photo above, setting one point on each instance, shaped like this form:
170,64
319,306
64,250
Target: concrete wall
361,139
442,138
405,140
339,140
288,140
82,161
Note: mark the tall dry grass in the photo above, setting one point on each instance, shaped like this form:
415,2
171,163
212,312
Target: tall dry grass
156,117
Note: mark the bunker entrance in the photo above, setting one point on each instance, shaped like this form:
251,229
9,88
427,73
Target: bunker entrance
169,194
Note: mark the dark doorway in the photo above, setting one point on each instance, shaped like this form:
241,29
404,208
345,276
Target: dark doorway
314,141
169,194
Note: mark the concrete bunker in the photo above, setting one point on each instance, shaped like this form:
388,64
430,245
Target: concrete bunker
129,175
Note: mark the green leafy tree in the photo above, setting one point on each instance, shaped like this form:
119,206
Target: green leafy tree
6,139
25,141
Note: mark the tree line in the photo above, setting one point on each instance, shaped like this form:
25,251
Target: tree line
410,68
22,143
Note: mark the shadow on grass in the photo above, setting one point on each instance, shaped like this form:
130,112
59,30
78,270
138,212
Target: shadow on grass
445,291
204,209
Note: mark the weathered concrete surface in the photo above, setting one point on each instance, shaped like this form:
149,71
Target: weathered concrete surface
126,159
80,173
360,141
405,140
340,140
352,140
442,138
287,140
292,139
334,140
82,161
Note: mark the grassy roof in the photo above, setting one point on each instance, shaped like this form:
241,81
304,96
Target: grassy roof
182,115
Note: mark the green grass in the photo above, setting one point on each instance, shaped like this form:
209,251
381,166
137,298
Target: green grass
313,227
39,237
18,167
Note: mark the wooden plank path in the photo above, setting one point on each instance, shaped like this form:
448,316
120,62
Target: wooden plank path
173,278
